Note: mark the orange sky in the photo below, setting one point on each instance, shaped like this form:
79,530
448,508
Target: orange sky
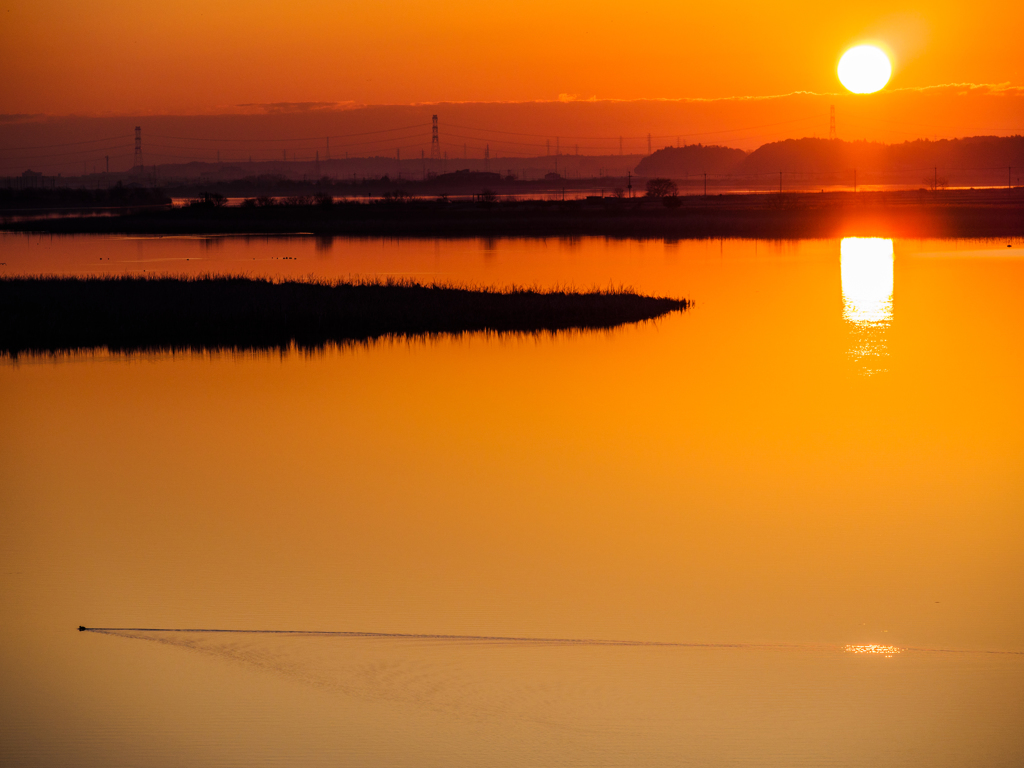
119,57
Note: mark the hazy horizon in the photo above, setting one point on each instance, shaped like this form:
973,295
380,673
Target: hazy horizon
61,144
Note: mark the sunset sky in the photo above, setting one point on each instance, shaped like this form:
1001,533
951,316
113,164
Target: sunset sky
515,79
188,57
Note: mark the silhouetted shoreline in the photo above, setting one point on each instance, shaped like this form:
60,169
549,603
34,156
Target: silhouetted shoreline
917,213
132,314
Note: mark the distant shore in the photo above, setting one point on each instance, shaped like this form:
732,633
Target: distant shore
917,213
48,315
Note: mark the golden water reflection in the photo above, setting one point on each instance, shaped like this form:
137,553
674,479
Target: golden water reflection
867,278
717,477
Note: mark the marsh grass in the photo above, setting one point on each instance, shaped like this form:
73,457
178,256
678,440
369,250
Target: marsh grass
60,314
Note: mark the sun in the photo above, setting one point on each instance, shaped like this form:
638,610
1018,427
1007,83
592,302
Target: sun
864,69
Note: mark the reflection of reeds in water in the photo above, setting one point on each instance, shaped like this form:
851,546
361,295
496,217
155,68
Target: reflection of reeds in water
867,278
131,313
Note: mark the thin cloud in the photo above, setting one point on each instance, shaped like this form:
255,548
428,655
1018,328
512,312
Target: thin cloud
995,89
1002,89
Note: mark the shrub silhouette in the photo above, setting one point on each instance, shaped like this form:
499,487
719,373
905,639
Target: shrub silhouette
208,200
661,188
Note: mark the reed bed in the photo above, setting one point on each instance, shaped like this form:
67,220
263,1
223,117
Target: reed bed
59,314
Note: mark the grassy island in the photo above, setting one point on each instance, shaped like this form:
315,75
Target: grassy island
129,314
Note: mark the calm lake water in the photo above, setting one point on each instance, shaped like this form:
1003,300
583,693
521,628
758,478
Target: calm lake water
825,455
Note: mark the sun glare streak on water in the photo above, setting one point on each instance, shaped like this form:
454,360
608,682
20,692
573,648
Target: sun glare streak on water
867,280
883,650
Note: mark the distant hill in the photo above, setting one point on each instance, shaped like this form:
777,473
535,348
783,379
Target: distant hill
976,160
691,160
824,155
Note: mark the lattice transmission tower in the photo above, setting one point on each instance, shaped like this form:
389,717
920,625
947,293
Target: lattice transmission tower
435,144
832,122
137,164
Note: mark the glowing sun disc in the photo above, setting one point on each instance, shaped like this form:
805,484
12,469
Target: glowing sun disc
864,69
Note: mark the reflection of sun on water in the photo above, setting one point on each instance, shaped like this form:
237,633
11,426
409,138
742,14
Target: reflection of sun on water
867,279
866,268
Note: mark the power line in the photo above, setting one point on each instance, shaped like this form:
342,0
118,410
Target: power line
207,159
348,144
504,142
67,154
661,136
14,163
69,144
309,138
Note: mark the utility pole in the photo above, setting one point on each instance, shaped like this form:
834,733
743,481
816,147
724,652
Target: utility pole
435,142
629,184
